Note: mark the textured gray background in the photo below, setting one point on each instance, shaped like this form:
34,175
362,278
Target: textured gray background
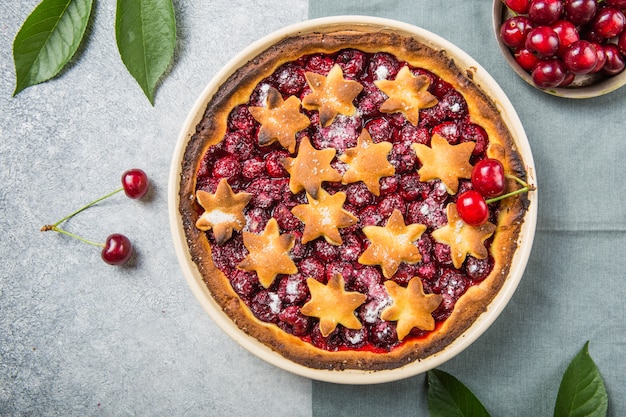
79,337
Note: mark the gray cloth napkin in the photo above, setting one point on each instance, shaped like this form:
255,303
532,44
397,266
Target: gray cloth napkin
574,287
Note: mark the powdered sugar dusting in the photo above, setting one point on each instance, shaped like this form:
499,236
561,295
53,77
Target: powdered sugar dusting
216,217
326,217
382,72
341,134
275,304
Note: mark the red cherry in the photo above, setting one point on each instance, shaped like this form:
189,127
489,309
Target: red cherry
488,178
135,183
518,6
526,59
543,41
545,12
609,22
117,249
581,57
614,61
567,33
472,208
549,74
580,12
514,30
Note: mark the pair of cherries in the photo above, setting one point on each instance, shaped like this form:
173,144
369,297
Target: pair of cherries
489,183
117,248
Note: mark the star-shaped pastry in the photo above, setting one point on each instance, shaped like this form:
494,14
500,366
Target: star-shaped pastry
332,304
407,95
462,238
331,95
392,244
268,253
367,162
280,120
223,211
324,216
446,162
310,168
411,307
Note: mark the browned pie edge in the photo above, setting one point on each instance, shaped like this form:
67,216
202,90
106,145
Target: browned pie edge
237,89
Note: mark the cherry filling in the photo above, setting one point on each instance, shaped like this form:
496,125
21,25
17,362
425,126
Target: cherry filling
259,171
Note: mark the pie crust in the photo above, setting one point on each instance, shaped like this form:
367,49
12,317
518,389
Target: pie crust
238,89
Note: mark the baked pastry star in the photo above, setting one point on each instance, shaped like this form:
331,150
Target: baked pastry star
223,211
310,168
332,304
392,244
324,216
268,253
462,238
280,120
407,95
367,162
411,307
331,95
443,161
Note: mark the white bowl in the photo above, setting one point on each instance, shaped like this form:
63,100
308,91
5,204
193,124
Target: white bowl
194,279
583,86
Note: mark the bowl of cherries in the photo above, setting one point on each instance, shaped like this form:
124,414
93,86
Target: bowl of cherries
567,48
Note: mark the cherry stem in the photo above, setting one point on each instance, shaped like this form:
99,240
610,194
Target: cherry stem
525,188
65,232
55,226
69,216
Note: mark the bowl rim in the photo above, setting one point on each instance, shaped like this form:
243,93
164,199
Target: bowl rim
604,86
191,273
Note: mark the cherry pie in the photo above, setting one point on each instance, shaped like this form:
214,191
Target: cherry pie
318,199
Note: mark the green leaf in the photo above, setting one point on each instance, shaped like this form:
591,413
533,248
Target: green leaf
145,31
582,391
448,397
48,39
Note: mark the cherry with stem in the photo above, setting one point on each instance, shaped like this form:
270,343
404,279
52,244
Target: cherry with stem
472,205
117,248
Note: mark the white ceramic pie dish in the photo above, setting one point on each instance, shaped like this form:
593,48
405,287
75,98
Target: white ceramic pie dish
583,86
194,279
